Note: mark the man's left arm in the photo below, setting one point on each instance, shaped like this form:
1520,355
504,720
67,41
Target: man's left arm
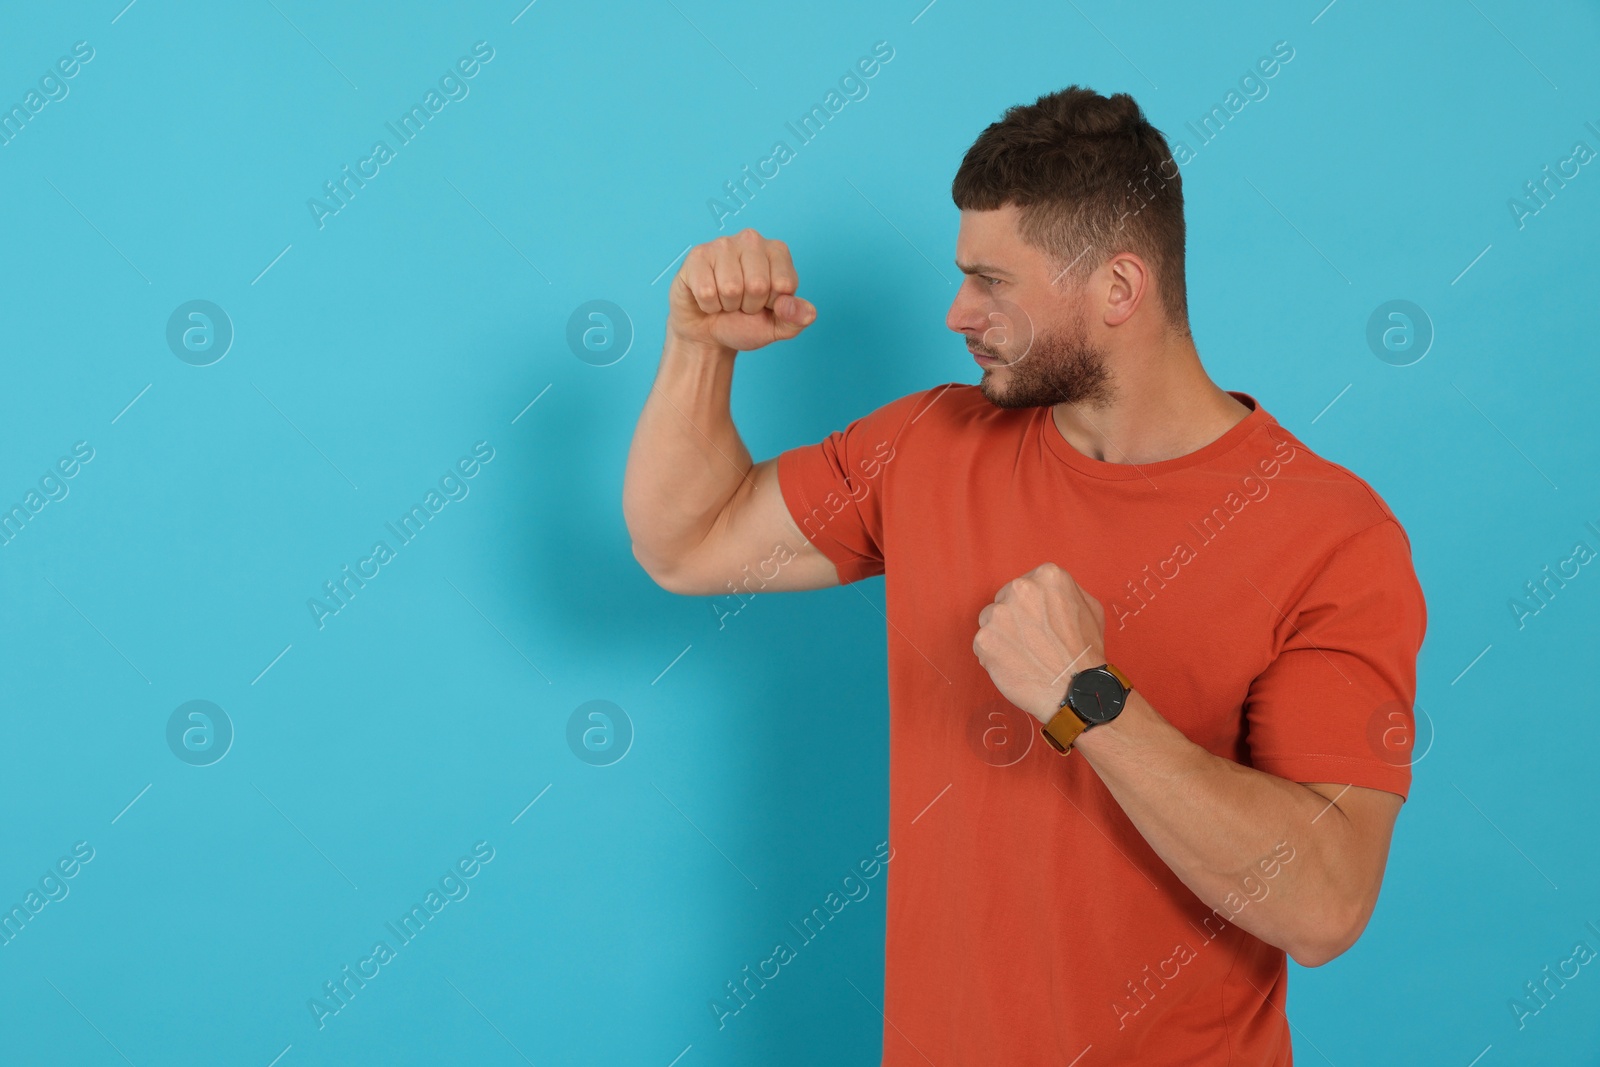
1298,865
1223,829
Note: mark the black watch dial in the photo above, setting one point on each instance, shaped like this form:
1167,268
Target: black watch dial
1096,695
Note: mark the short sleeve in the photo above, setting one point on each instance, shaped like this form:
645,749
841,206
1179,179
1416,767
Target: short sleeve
1336,702
835,489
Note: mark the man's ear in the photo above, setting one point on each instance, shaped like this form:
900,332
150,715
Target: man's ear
1130,280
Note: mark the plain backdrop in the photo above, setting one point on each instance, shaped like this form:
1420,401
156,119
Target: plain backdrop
374,348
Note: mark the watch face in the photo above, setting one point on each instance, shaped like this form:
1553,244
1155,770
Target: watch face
1096,695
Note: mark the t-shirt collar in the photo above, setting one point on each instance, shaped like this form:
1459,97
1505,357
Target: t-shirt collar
1046,425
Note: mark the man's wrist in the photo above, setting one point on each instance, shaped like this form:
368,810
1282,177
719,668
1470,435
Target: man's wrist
1119,731
695,372
687,348
1056,700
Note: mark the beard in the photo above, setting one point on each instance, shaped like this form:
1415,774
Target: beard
1059,368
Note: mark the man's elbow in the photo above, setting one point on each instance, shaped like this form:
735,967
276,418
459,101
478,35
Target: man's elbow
674,579
1330,939
1315,955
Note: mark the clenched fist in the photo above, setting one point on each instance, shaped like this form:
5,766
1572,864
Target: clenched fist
737,292
1041,630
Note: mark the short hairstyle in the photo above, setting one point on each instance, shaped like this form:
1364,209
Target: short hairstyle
1091,178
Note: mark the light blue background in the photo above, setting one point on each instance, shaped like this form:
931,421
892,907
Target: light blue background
428,313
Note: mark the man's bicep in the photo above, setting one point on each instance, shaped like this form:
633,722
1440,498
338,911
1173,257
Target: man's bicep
765,528
812,516
755,546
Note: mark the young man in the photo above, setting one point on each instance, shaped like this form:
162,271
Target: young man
1151,660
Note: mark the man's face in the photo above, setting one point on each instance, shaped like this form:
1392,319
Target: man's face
1023,318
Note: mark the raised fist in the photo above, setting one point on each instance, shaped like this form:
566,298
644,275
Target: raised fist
737,292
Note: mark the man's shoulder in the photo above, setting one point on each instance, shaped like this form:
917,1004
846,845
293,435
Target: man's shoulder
934,418
945,407
944,401
1339,500
1331,533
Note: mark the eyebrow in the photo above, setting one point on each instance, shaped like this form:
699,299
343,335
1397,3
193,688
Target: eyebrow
982,268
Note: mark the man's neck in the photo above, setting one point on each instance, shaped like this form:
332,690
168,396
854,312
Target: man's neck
1165,407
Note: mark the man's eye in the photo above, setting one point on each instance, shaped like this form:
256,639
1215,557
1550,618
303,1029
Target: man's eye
989,279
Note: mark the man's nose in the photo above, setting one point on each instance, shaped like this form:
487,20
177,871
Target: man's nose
964,316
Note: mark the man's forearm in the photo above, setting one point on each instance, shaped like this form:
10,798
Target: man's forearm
686,459
1214,822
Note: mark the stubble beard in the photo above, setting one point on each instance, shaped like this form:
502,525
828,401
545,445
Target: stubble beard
1062,368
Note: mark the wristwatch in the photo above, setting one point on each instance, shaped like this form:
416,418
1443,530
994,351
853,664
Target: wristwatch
1094,697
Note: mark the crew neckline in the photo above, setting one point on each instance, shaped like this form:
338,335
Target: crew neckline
1098,468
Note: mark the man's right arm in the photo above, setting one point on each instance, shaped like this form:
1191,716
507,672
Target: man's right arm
698,510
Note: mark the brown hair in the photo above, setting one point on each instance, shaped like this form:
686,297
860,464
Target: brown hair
1092,177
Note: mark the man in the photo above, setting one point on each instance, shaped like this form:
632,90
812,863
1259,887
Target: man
1151,660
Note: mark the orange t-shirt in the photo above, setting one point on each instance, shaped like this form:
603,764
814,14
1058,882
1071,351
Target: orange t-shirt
1260,597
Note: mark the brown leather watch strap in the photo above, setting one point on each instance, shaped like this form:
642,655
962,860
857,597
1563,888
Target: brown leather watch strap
1063,729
